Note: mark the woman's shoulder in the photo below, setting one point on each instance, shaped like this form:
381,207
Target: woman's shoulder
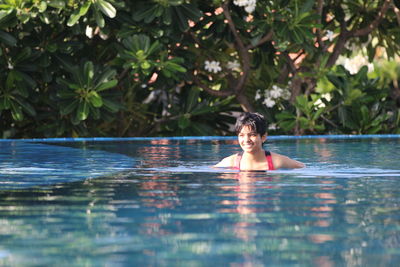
227,162
282,161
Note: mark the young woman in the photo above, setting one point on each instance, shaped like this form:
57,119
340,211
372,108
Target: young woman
251,131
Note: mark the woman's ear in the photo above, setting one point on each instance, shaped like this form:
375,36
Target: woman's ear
264,138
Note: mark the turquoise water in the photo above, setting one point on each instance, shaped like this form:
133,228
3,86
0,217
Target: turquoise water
158,203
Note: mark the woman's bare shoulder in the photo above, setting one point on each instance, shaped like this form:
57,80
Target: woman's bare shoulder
226,162
281,161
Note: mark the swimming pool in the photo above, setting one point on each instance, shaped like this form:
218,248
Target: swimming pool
156,202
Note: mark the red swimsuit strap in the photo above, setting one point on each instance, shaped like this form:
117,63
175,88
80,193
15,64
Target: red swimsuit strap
269,160
267,156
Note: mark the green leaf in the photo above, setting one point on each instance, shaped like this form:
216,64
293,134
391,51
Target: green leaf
287,125
191,100
67,109
175,67
191,12
83,111
105,76
73,19
302,102
111,105
99,19
183,122
56,4
307,6
84,8
148,13
318,113
42,6
62,93
7,39
106,85
336,81
154,47
16,112
23,55
285,116
365,113
6,103
167,16
106,8
182,20
26,106
88,72
95,99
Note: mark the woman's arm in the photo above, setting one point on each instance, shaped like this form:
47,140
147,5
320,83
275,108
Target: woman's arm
281,161
226,162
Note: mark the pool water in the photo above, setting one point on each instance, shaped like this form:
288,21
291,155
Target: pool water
159,203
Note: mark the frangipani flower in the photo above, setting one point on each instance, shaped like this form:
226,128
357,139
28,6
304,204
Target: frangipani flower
212,66
249,5
269,102
233,65
329,35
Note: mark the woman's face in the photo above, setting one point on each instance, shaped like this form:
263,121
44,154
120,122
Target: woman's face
249,140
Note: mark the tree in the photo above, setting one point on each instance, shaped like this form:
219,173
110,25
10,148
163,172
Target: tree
168,67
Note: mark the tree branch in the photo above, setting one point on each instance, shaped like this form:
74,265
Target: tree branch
222,93
397,12
343,37
320,5
290,62
266,38
367,30
243,52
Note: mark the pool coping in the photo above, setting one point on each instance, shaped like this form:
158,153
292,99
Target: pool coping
270,137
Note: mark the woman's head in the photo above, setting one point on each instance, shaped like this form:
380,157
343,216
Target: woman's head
255,121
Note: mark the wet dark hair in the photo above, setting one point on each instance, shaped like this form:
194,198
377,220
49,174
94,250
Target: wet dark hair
255,121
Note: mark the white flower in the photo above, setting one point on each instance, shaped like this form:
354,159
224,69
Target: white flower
89,32
212,66
240,2
276,92
353,65
319,103
327,96
329,35
272,126
233,65
269,102
258,95
249,5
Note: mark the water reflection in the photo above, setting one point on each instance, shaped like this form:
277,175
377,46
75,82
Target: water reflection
155,216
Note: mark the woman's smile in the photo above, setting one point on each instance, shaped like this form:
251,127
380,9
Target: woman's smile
250,140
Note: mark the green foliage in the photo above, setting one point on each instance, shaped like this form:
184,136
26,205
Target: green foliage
83,94
308,117
363,107
197,115
119,68
356,104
